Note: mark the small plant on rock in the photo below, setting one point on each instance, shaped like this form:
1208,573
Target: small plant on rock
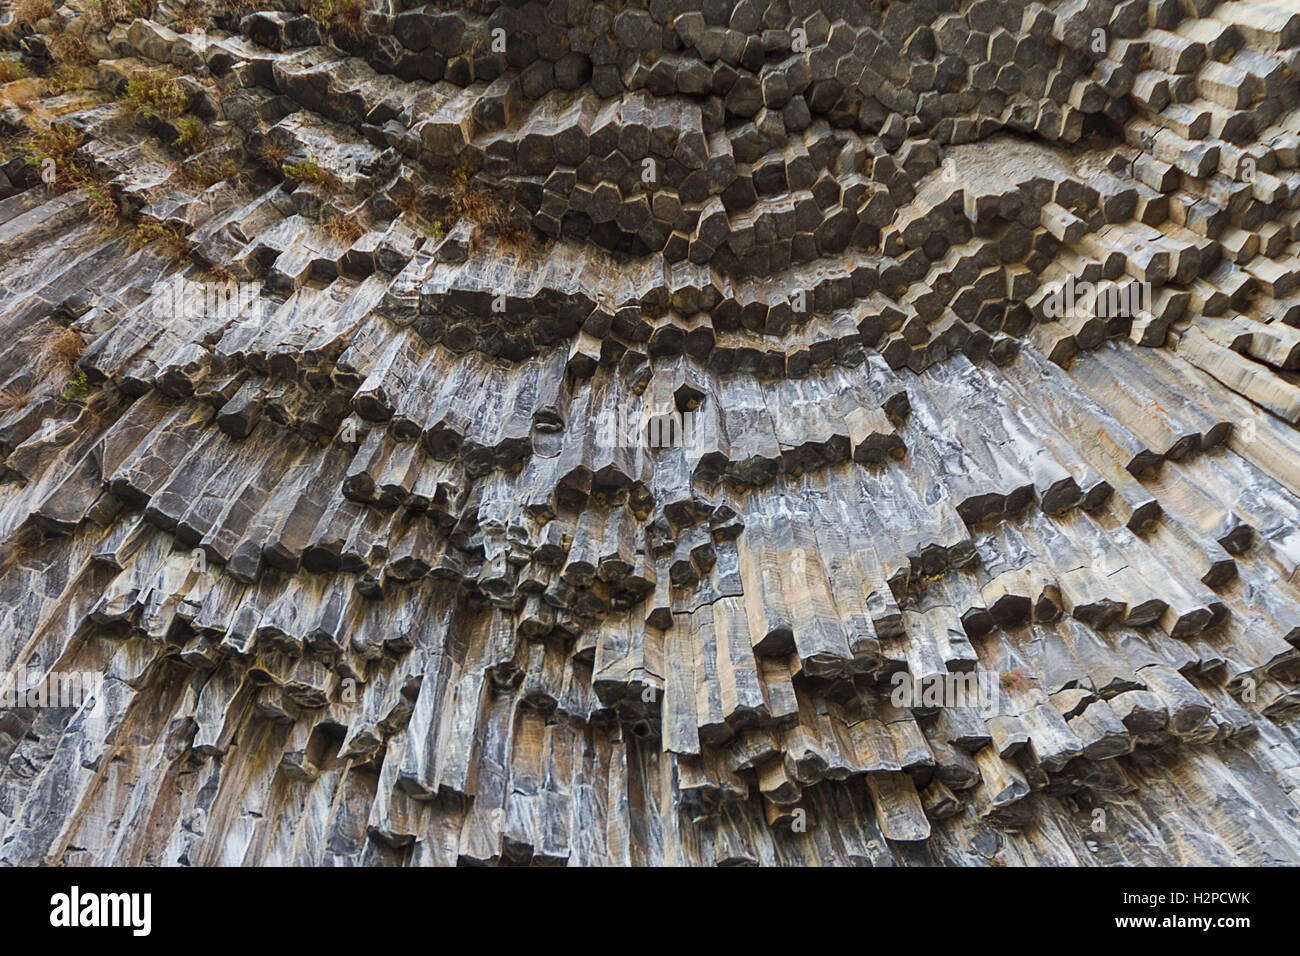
518,237
101,206
484,209
410,201
189,134
204,171
65,79
70,57
480,206
271,154
77,388
157,94
151,231
58,142
312,173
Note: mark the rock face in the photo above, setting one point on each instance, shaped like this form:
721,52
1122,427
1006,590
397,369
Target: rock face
566,432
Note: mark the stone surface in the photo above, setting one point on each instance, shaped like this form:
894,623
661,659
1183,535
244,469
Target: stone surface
554,431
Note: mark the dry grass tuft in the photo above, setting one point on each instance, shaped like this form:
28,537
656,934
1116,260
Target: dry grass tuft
192,17
410,201
344,228
13,397
70,57
479,206
58,352
519,238
67,50
1016,680
271,154
108,12
101,207
489,217
341,16
11,70
31,11
208,172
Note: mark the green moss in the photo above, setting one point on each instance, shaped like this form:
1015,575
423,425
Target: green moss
78,387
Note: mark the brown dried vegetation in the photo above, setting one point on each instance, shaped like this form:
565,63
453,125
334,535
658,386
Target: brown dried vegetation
411,202
101,207
204,172
67,50
192,17
344,228
108,12
341,16
1016,680
57,353
31,11
11,70
271,154
489,217
14,396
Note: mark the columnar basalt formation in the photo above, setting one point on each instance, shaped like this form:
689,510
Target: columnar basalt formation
562,432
